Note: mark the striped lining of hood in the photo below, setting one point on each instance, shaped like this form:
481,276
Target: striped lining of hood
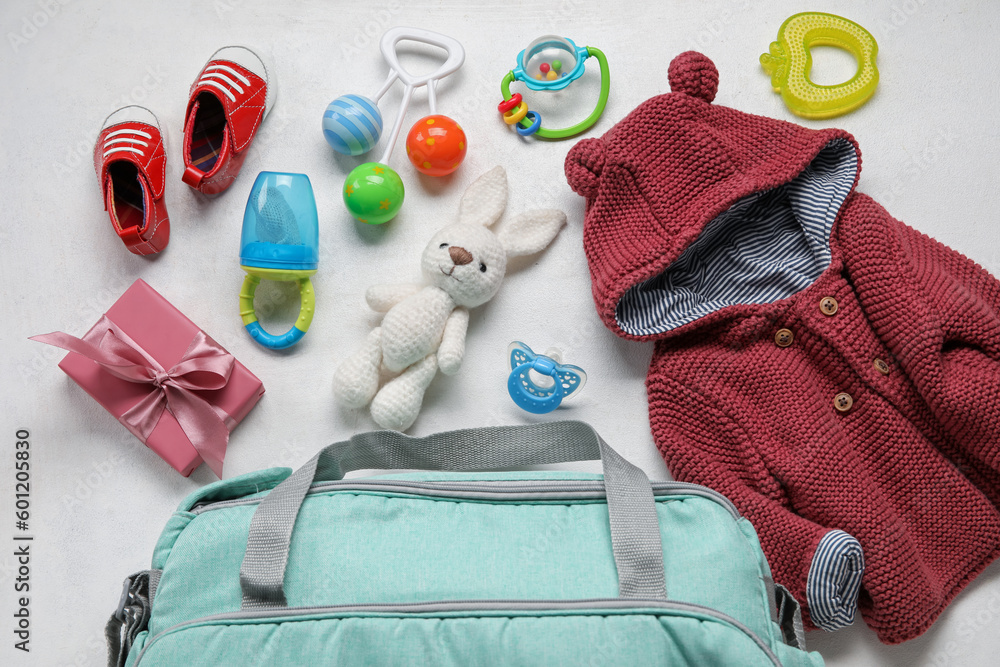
764,248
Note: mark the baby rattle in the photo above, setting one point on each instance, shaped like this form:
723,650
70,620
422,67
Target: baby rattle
424,326
550,63
436,144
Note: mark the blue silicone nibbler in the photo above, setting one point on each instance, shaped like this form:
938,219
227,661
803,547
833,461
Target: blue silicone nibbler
539,383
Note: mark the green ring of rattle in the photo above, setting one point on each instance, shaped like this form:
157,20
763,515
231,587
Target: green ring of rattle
586,123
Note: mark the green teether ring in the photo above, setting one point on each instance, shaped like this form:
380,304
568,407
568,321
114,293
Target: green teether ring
789,63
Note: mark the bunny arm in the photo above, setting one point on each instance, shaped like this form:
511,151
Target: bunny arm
381,298
452,347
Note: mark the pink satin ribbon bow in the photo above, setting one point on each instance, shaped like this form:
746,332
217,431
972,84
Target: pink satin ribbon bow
205,366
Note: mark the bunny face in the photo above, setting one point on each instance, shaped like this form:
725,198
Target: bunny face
468,262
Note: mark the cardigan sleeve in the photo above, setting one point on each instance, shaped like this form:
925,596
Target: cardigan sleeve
820,566
961,301
964,295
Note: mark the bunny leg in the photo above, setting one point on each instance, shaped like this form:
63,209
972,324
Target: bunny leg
397,405
356,380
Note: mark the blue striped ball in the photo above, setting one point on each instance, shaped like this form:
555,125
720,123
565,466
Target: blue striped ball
352,124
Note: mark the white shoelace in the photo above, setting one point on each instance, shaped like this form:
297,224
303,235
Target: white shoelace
125,136
208,78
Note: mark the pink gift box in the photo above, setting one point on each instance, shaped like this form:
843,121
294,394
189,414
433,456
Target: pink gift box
165,334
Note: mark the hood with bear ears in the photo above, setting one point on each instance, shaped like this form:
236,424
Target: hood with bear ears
698,213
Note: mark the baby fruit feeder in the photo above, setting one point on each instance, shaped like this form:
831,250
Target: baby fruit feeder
280,241
436,145
550,63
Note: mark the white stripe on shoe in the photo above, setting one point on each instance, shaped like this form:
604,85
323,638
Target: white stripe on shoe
216,84
128,136
121,149
125,140
226,68
251,61
129,130
223,77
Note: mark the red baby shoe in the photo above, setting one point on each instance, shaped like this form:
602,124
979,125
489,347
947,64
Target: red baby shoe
228,101
131,168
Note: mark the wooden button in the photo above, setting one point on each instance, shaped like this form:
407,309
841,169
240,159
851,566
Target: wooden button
843,401
881,366
828,305
783,337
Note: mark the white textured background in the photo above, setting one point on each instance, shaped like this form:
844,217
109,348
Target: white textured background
100,498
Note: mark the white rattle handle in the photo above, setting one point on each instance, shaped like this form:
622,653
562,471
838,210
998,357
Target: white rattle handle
456,56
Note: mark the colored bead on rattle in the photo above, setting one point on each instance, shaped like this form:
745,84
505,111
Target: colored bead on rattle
536,122
515,110
507,105
515,115
352,124
436,145
373,193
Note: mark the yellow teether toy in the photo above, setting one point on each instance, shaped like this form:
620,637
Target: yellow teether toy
789,63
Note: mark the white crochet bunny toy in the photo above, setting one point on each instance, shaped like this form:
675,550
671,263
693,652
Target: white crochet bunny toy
425,325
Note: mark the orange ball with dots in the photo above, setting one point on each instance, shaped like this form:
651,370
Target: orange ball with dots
436,145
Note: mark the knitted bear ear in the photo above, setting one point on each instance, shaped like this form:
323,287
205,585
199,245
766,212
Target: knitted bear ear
694,74
584,164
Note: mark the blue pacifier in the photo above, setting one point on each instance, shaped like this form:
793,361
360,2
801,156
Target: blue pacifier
538,383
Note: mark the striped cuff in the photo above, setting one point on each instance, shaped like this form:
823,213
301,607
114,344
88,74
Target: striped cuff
834,580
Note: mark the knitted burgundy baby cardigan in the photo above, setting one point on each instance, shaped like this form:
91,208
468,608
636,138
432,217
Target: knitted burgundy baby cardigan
831,370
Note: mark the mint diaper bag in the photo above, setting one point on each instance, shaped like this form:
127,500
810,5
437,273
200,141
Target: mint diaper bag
457,568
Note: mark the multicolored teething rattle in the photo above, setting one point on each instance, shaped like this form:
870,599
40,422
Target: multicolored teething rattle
538,383
789,63
550,63
436,144
280,242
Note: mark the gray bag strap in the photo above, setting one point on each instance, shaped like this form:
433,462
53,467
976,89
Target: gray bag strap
132,615
789,618
635,528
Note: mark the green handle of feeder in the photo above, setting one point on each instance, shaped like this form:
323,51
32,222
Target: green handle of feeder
586,123
307,306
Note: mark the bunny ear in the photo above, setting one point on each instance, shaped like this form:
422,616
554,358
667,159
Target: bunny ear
531,232
484,201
